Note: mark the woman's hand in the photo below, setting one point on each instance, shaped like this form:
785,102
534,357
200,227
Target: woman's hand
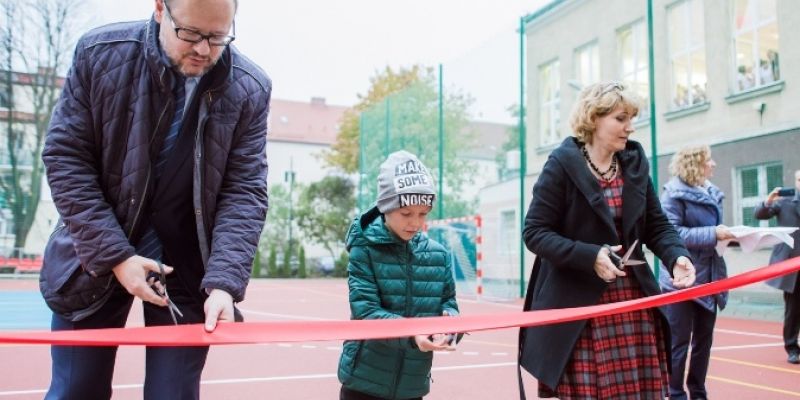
683,273
723,233
604,267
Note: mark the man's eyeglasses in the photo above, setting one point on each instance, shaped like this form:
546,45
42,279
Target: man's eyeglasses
193,36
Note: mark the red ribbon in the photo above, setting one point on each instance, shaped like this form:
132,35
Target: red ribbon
307,331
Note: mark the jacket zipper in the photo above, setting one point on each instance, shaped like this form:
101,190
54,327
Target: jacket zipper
149,173
200,224
407,313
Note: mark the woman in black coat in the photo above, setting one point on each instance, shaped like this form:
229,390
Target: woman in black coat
595,189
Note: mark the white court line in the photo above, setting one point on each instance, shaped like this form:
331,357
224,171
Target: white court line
743,333
284,316
267,379
489,303
747,346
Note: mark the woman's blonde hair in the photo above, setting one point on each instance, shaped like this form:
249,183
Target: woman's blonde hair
599,100
689,164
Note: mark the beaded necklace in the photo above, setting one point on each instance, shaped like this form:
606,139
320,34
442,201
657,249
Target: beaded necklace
607,175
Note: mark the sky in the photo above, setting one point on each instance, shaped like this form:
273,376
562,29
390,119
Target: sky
330,48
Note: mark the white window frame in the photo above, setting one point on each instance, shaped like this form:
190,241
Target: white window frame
507,237
591,51
685,51
552,106
749,29
638,34
739,203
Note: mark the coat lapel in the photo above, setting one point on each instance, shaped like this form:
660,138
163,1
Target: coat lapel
587,184
633,198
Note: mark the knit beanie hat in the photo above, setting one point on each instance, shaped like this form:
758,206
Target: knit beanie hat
404,181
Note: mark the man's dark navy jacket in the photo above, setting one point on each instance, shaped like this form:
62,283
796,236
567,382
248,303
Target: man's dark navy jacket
109,124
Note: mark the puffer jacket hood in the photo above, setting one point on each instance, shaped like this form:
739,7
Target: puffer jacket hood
695,212
369,229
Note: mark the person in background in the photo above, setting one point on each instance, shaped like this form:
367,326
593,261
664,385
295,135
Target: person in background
774,64
396,271
593,197
787,212
156,161
744,78
694,205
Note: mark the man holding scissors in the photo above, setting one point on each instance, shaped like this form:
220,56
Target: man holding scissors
156,161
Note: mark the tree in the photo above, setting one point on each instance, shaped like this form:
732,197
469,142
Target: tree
301,267
324,211
511,143
49,29
344,153
276,228
285,270
401,111
272,263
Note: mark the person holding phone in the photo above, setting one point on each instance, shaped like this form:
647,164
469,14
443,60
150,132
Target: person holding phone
784,204
396,271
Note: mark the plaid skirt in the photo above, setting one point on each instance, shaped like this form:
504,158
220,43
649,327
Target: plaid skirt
619,356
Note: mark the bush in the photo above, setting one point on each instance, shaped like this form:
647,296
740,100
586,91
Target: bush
256,270
301,267
272,263
286,269
340,265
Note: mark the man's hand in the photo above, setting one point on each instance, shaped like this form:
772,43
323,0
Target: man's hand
132,275
683,273
773,195
218,307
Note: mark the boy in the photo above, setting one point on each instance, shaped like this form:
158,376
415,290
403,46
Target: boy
396,271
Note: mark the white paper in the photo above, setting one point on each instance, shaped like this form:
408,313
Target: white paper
755,238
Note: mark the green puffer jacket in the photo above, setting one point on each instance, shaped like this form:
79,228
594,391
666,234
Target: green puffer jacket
391,278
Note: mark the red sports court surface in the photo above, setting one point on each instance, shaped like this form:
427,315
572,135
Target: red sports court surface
748,361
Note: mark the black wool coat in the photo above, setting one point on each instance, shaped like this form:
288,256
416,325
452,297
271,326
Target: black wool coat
567,223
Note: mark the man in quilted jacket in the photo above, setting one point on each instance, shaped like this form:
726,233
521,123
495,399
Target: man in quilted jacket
156,161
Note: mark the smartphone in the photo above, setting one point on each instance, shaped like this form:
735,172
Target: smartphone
786,192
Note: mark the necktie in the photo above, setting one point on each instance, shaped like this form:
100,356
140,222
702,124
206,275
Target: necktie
150,246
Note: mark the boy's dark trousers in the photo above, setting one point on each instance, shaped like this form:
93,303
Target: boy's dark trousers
347,394
86,372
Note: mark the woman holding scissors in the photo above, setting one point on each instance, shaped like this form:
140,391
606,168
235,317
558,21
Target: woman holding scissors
694,205
593,198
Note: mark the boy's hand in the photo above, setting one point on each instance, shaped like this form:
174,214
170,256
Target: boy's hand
437,342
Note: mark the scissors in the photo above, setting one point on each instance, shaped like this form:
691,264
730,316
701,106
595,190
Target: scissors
625,260
162,277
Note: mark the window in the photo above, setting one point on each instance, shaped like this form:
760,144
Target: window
508,240
754,184
5,98
755,37
632,42
549,103
687,53
587,64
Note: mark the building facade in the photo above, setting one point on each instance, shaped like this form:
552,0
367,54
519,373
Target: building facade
723,76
